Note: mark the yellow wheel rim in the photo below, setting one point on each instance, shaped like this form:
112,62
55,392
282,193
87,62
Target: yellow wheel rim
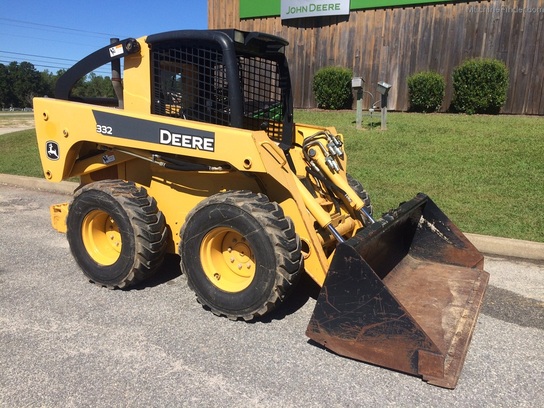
227,259
101,237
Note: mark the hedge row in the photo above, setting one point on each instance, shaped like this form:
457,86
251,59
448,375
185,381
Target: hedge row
480,86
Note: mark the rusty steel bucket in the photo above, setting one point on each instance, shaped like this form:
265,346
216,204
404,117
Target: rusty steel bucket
404,293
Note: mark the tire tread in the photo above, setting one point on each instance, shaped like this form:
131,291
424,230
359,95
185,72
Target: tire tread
148,223
286,242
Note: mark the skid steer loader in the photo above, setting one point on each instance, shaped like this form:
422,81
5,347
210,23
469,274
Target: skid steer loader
199,155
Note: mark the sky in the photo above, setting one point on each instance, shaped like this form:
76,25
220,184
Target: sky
54,35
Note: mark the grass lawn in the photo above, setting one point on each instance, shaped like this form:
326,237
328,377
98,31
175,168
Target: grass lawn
19,154
485,172
16,119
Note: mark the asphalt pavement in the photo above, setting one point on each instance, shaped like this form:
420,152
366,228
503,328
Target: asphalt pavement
67,342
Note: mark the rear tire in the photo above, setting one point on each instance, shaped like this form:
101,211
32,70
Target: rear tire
240,254
116,233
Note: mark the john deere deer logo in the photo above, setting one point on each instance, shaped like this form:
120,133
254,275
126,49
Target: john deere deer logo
52,150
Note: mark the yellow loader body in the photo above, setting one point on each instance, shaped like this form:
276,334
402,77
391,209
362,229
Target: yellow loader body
198,155
177,193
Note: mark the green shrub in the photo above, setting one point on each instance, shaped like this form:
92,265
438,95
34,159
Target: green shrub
332,88
480,86
426,91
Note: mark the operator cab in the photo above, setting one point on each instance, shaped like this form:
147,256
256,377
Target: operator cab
224,77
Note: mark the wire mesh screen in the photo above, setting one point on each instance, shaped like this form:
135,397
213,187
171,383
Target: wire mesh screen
263,107
191,83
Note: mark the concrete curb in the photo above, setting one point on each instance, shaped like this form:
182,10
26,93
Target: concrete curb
486,244
515,248
64,187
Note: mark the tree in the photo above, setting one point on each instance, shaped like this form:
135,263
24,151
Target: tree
50,79
27,83
19,83
94,85
6,92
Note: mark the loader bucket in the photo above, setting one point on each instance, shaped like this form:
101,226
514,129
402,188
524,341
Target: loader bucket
404,293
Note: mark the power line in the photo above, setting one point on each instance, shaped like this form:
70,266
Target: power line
38,56
103,71
81,34
43,61
35,65
54,31
56,40
75,30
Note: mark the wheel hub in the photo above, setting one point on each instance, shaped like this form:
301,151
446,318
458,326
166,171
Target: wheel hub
227,259
101,237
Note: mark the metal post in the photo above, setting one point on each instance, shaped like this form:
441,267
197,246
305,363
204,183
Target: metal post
357,83
384,112
383,89
359,117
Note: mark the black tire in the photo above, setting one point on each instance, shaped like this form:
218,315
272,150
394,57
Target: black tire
116,233
361,192
240,254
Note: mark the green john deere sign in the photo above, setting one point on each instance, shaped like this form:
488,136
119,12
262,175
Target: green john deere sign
313,8
271,8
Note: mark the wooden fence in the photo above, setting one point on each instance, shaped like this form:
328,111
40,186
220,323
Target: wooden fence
392,44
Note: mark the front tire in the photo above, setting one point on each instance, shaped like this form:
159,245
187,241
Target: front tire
361,192
240,254
116,233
